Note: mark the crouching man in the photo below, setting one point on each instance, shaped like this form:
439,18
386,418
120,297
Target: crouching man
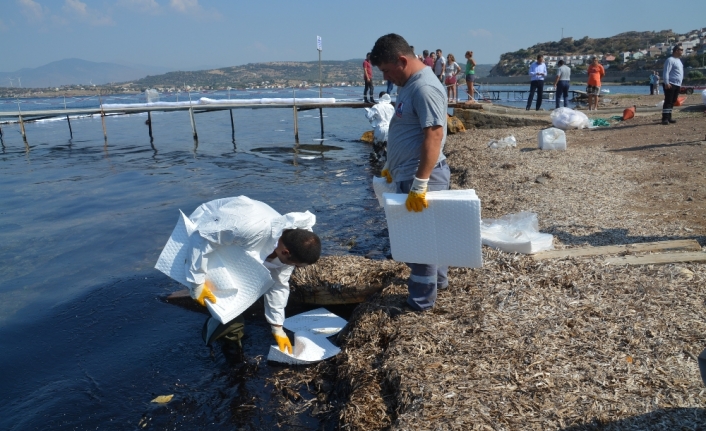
278,242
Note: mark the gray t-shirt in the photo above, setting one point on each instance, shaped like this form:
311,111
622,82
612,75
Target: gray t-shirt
564,73
421,103
673,72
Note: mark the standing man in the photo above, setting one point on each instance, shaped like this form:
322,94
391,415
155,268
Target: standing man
537,72
672,75
440,66
368,78
593,89
415,143
562,83
653,82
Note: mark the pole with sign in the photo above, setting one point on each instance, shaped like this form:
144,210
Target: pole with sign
321,83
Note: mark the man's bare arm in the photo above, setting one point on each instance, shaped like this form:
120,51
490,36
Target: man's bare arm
431,147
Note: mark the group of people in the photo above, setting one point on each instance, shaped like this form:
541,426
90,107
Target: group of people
280,243
672,75
415,163
538,73
446,69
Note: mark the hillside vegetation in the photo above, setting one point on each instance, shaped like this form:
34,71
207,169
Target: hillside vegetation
511,63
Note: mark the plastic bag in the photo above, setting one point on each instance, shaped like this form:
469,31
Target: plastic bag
515,233
508,141
660,104
567,118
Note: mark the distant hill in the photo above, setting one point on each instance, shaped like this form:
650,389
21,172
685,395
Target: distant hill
285,73
74,71
511,63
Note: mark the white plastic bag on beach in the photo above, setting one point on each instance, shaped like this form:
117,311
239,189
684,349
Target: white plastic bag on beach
507,141
567,118
659,104
515,233
551,139
703,97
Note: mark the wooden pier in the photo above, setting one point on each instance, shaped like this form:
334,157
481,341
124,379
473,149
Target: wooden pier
28,116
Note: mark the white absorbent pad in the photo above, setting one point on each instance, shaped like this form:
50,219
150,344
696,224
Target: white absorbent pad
311,330
238,279
446,233
380,186
516,233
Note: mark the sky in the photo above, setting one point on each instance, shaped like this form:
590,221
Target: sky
203,34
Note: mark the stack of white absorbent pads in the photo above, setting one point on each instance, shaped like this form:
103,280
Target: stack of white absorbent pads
516,233
445,233
311,330
381,186
238,280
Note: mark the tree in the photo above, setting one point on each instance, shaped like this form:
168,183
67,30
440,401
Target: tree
694,74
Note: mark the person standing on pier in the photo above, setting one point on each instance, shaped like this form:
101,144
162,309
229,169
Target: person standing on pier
673,73
562,83
368,78
593,89
415,143
537,72
440,66
470,75
452,69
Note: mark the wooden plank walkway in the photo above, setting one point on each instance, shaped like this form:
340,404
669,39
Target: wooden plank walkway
658,246
657,259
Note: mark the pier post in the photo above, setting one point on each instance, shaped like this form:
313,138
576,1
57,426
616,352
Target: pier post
149,124
193,124
296,125
321,116
71,132
232,124
1,132
105,132
22,123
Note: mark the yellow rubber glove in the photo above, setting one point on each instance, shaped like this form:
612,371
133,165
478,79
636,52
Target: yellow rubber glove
282,339
417,197
386,173
203,292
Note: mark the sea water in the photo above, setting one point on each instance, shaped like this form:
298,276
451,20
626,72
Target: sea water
86,341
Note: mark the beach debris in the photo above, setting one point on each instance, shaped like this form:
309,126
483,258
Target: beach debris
629,113
551,139
506,142
454,125
163,399
567,118
368,137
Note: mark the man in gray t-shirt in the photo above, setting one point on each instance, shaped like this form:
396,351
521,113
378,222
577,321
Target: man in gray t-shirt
415,143
562,83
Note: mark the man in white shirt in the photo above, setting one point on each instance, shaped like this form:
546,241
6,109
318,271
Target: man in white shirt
440,66
672,75
537,72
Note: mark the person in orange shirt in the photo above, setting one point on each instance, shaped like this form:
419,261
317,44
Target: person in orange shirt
593,89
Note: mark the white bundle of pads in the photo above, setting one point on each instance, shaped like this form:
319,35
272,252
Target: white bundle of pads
311,344
238,280
516,233
381,186
567,118
445,233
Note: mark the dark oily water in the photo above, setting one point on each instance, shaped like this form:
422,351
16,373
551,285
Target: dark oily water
87,341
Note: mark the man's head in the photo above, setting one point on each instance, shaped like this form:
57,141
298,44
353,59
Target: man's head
425,53
560,63
438,53
677,51
367,56
540,58
395,59
594,60
298,247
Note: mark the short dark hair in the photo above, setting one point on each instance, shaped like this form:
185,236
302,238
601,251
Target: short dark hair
388,48
304,246
561,62
679,47
540,56
425,53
